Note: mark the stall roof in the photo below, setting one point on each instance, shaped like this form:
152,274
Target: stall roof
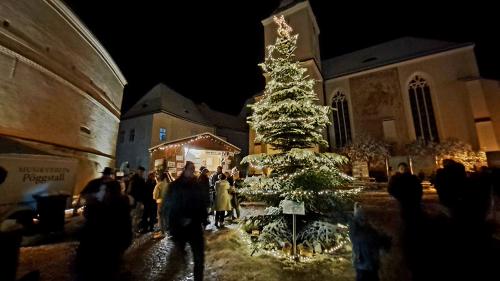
193,138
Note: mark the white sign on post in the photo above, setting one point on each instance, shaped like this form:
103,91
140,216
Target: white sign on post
293,207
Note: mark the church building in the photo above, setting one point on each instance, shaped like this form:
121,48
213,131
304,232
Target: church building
398,91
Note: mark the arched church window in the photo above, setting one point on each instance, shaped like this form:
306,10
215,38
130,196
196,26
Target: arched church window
341,119
422,111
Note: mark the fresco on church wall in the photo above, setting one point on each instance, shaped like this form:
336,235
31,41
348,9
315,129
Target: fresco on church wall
377,97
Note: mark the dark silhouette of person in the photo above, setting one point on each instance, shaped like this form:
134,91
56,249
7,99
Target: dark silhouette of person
136,190
204,182
95,187
450,183
407,189
91,242
137,185
461,241
149,214
106,235
3,174
366,246
118,224
187,215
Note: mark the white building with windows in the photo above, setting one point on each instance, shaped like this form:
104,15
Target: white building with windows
398,91
164,115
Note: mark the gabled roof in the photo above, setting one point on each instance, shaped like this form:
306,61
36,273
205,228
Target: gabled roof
161,98
245,110
223,120
194,138
390,52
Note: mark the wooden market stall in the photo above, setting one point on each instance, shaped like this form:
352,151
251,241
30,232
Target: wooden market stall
203,149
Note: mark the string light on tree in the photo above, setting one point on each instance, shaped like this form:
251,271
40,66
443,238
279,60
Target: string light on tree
289,118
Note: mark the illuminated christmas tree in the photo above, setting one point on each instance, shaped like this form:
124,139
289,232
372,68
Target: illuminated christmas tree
289,118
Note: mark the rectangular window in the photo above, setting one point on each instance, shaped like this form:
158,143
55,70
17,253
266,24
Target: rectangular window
163,134
121,136
486,136
390,133
131,137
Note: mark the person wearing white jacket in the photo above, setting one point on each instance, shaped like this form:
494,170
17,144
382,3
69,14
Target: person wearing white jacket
222,200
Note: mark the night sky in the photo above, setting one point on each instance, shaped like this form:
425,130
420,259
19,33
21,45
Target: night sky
209,50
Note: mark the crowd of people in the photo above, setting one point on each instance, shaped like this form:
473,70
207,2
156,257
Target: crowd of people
455,244
116,207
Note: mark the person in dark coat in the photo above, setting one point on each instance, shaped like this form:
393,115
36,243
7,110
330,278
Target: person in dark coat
137,185
106,234
136,190
204,182
366,246
95,187
118,227
407,189
215,177
149,214
187,215
450,183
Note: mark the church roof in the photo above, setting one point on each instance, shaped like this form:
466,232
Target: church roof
286,4
161,98
390,52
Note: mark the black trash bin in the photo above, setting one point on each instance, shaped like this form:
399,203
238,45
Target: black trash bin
50,209
10,242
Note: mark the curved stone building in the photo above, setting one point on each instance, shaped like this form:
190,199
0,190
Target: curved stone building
60,91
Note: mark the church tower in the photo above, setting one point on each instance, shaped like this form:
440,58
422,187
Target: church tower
299,15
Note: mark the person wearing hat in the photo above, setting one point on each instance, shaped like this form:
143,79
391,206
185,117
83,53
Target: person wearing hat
93,194
106,233
95,188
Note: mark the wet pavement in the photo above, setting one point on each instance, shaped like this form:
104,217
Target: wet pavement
228,258
147,259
